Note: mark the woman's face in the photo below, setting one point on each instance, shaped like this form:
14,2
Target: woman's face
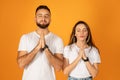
81,32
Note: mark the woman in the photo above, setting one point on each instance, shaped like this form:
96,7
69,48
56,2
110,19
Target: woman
81,56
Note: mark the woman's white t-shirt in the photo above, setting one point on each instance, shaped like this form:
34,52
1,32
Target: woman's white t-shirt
81,71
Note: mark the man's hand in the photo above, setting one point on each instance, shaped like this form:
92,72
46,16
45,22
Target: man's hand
42,39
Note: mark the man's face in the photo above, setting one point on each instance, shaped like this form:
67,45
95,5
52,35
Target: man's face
42,18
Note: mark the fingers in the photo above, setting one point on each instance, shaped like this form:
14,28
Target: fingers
42,43
42,35
39,45
42,39
82,53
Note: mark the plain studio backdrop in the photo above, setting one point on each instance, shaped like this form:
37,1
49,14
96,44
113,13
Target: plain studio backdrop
103,17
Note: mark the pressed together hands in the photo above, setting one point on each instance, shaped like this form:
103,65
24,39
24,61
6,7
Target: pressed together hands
41,42
81,53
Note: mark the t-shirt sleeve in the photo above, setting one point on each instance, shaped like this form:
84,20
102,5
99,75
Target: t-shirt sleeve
66,52
22,44
59,46
96,56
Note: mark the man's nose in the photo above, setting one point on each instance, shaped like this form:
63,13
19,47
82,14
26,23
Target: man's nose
43,18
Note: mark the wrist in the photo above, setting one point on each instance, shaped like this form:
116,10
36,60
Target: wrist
38,48
45,47
85,59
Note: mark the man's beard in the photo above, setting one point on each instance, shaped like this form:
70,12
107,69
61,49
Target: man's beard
43,26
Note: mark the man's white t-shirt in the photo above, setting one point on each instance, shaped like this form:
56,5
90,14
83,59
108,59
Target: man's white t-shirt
40,68
81,71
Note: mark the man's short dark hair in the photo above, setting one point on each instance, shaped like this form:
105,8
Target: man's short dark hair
42,7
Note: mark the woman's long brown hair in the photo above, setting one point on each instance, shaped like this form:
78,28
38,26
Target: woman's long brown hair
73,38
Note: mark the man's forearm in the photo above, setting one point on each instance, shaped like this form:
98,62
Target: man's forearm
55,60
24,60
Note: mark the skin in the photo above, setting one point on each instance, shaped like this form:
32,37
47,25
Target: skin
81,34
24,58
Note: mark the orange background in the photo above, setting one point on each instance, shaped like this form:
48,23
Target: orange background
103,16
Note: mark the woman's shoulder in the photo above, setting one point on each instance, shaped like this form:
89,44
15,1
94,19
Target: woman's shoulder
69,47
94,50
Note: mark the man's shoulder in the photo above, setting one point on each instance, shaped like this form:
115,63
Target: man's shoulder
55,35
29,34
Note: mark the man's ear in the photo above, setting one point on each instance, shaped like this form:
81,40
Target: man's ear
35,18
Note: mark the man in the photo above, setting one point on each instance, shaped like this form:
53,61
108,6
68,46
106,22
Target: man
40,52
